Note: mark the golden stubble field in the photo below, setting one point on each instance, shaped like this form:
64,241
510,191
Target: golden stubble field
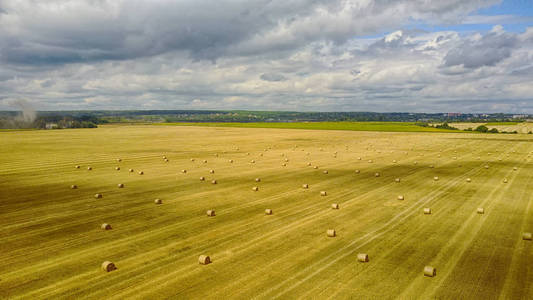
524,127
52,244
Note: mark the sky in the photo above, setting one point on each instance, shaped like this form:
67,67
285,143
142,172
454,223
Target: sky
466,56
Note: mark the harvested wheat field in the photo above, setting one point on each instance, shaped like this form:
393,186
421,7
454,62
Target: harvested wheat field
52,245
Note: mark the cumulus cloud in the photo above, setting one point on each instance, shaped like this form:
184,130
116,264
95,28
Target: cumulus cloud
288,55
479,51
60,31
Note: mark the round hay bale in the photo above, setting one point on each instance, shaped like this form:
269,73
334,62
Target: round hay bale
130,170
141,173
106,226
258,179
73,186
315,167
369,161
204,260
77,167
505,180
98,196
192,159
164,156
183,171
323,193
394,161
335,206
202,178
252,161
397,180
158,201
120,185
377,175
213,181
480,210
362,257
427,211
255,189
436,178
305,186
108,266
283,164
308,164
119,160
429,271
468,180
205,161
400,197
527,236
166,160
515,168
211,213
216,154
486,166
89,168
231,161
431,166
357,171
286,160
331,232
211,171
325,172
359,158
117,168
260,154
247,153
268,211
416,163
454,158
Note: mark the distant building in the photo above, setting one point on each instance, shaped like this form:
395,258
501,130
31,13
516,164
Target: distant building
454,114
51,126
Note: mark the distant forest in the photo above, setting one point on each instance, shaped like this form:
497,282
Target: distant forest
88,119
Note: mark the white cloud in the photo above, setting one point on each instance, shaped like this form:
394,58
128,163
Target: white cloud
290,55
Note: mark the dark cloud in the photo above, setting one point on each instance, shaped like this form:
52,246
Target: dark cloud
47,83
56,32
272,77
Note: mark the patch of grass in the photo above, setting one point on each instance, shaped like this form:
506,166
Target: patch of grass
16,129
352,126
